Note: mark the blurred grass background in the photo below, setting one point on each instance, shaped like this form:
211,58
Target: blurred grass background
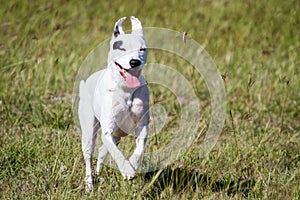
256,46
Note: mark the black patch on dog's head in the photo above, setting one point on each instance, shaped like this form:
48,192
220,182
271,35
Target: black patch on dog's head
116,32
118,44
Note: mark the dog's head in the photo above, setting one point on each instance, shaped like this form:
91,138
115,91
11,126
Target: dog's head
128,53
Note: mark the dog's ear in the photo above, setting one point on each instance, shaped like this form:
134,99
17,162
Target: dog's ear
136,26
118,27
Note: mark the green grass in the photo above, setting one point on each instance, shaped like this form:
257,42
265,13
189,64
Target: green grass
256,46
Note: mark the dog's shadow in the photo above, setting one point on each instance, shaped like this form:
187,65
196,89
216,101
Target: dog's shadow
181,180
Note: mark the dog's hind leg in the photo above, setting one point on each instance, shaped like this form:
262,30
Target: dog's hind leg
89,127
101,156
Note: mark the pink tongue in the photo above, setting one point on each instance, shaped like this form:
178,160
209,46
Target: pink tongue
132,81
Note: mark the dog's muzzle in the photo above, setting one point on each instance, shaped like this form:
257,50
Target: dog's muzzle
131,76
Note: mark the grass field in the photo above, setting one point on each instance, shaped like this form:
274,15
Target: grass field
256,46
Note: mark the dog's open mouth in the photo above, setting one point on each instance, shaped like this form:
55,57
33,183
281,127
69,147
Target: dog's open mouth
131,76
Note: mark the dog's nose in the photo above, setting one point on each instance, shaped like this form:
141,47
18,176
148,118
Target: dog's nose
134,63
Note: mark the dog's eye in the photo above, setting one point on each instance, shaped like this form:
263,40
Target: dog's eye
143,49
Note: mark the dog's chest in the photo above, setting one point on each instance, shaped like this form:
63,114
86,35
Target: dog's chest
125,114
122,103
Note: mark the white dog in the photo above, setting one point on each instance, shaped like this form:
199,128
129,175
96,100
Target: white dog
117,100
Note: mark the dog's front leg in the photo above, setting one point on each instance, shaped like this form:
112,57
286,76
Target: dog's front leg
141,139
102,152
124,165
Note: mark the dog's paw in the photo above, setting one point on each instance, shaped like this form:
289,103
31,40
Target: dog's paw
128,171
88,183
128,176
